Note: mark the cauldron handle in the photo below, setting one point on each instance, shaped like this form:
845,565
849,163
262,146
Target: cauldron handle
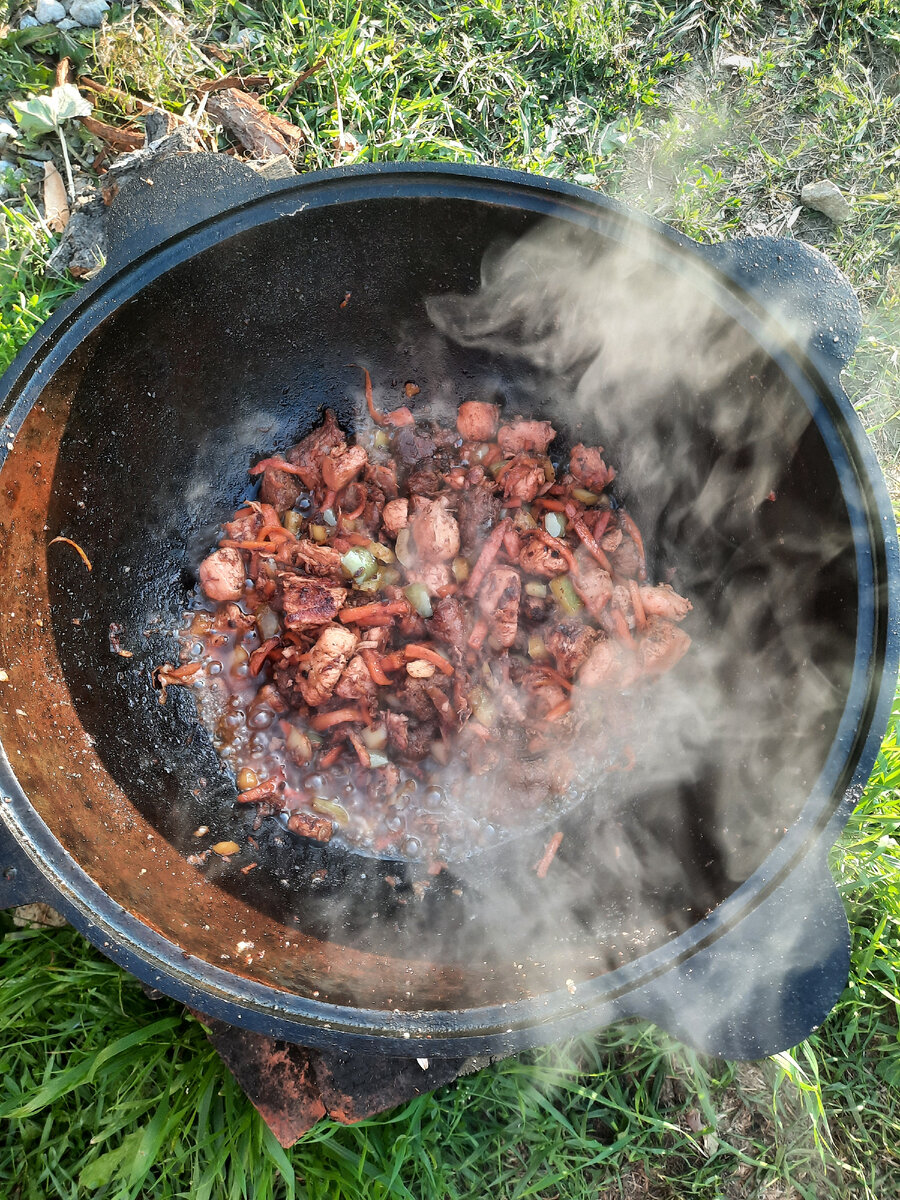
766,984
170,196
810,297
20,881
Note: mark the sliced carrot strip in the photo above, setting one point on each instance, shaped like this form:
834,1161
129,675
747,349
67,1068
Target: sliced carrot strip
261,792
231,544
331,756
277,464
393,662
417,650
373,666
374,614
478,634
322,721
587,537
488,553
549,854
78,550
635,534
559,711
640,617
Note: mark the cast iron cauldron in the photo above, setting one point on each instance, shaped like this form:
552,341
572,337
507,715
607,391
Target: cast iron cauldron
699,899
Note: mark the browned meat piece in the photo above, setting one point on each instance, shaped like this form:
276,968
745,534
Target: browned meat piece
588,467
356,682
233,617
321,561
523,480
411,446
477,421
383,476
244,527
326,663
545,699
395,516
397,725
524,436
309,453
570,643
340,467
534,608
610,664
593,585
222,575
662,646
370,520
611,540
621,599
412,696
435,575
498,601
308,825
664,601
479,511
434,530
538,558
279,489
413,627
626,559
448,623
307,602
420,740
425,481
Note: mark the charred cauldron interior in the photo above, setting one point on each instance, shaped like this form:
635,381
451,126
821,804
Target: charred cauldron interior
139,447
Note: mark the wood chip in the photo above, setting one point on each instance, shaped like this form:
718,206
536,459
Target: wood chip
301,78
56,206
258,130
123,140
235,81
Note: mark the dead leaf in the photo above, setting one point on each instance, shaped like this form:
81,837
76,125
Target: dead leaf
123,140
56,207
256,82
258,130
63,72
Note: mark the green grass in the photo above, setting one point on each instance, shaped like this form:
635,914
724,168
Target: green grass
107,1093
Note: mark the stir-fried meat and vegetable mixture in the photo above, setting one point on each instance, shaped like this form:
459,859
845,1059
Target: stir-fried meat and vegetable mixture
403,639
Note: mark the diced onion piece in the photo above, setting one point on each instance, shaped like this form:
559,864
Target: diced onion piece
240,658
315,738
495,468
565,595
331,808
460,569
555,524
358,564
403,547
377,760
536,647
441,752
482,707
482,451
292,522
372,585
390,576
267,623
384,554
522,519
417,595
583,496
382,439
549,473
329,518
420,669
536,589
318,533
375,737
299,745
226,848
247,779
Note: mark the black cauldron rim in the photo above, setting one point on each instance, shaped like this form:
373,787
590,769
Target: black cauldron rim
38,867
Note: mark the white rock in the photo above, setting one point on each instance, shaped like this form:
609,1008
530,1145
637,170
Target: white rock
29,22
826,197
8,132
67,24
48,12
88,12
739,62
248,38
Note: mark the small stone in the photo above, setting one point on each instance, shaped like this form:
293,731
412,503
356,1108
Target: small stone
66,24
29,22
88,12
739,62
48,12
826,197
8,132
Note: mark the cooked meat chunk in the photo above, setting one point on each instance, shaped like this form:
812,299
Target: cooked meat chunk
307,602
233,617
326,663
611,541
420,739
570,643
534,608
479,511
523,480
435,576
626,559
383,476
397,725
610,664
411,447
662,646
395,516
341,466
588,467
498,601
372,513
545,699
522,436
477,421
425,481
538,557
322,561
412,697
593,585
356,682
280,489
448,623
434,530
309,453
222,575
664,601
245,526
308,825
